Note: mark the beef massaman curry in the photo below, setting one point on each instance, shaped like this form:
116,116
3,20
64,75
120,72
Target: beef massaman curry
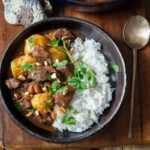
45,75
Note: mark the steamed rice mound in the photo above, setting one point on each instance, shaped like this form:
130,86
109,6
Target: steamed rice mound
87,105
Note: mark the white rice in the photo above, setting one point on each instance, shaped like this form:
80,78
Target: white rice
90,103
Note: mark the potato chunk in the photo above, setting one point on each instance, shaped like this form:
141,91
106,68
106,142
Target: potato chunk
34,40
41,102
56,53
17,63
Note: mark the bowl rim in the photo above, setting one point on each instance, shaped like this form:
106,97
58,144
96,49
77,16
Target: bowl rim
93,3
100,127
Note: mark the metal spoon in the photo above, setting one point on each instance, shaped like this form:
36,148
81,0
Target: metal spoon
136,34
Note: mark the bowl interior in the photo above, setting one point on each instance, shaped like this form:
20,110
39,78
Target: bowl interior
81,2
100,6
94,3
112,54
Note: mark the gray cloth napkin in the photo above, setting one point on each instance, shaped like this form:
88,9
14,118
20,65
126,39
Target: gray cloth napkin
25,12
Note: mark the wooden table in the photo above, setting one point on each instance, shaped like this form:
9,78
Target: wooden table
115,133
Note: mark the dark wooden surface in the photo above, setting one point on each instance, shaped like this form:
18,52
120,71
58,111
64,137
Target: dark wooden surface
115,133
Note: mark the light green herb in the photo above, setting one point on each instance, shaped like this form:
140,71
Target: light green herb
82,71
70,120
28,67
114,68
54,87
77,83
31,110
49,101
91,77
84,77
54,43
31,42
60,64
63,89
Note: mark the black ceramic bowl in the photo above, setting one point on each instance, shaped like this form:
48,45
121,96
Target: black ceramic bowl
104,5
112,54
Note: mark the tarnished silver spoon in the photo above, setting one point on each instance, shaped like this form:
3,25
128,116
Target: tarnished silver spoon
136,34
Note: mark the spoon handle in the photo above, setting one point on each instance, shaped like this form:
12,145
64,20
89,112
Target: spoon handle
132,93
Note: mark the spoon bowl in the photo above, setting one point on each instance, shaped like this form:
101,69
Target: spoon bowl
136,34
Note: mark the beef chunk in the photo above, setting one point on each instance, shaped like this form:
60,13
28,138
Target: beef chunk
40,53
25,103
45,119
24,87
50,69
38,75
12,83
65,70
63,99
59,33
41,73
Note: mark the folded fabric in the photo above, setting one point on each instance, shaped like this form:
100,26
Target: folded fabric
25,12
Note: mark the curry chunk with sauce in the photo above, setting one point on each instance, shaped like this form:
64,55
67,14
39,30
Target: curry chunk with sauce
39,76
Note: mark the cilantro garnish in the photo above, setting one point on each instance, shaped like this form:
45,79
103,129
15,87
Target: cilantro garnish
28,67
54,87
31,42
70,120
54,43
60,64
31,110
114,68
84,76
77,83
63,89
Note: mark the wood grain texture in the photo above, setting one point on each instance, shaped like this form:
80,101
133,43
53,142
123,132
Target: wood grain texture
1,128
144,73
115,133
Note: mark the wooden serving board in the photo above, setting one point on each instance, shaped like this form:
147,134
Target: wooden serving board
115,133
